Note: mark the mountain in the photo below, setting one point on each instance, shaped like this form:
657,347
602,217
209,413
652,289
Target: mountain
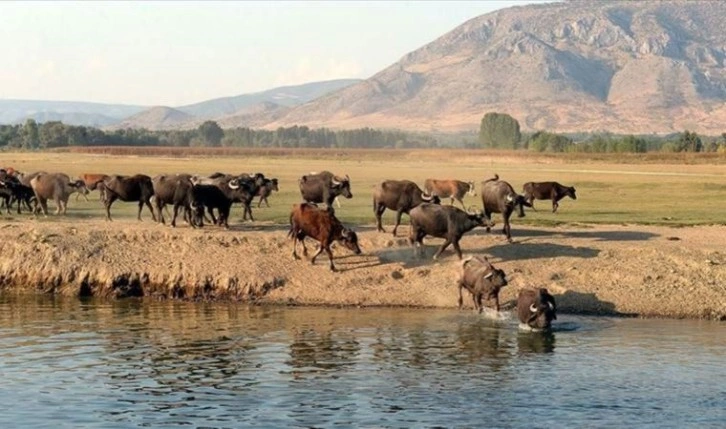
157,118
634,67
283,96
69,112
259,107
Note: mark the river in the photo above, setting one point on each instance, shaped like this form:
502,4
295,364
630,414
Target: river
75,363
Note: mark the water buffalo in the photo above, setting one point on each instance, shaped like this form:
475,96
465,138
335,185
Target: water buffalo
265,190
536,308
55,186
128,188
398,195
323,187
482,280
498,196
454,189
547,191
92,180
12,191
172,189
446,222
307,220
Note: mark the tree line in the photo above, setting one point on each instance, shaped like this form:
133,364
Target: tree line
497,131
32,135
502,131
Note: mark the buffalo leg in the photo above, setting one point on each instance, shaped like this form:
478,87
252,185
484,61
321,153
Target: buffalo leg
330,257
259,202
160,211
461,299
151,210
380,208
507,230
442,248
107,204
531,203
293,230
477,302
455,242
248,209
554,205
488,215
173,217
398,221
320,250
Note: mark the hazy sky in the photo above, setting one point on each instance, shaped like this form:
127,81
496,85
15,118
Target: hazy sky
175,53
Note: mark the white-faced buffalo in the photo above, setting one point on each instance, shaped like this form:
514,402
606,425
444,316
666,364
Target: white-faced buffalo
128,188
482,280
547,191
55,186
536,308
307,220
266,190
323,187
172,189
454,189
447,222
498,196
398,195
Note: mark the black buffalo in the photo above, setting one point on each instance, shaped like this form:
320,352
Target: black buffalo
498,196
398,195
447,222
547,191
536,308
128,188
324,187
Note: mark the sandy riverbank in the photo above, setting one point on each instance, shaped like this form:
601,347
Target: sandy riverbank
628,270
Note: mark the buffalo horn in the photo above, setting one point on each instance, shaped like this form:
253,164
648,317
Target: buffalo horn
426,197
510,198
233,184
335,182
552,307
488,276
347,178
532,308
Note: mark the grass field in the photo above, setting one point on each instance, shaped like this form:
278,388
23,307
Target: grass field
680,190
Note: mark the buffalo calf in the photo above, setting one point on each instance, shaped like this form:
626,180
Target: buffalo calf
482,280
307,220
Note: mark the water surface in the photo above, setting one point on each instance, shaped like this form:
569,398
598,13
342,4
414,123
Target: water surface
132,363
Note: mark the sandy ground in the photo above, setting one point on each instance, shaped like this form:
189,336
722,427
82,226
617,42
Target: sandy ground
633,270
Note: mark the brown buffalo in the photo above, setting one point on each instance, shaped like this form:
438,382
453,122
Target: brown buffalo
55,186
454,189
128,188
307,220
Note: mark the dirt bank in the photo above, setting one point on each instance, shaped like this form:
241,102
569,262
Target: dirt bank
628,270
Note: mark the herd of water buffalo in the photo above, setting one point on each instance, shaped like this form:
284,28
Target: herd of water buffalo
193,194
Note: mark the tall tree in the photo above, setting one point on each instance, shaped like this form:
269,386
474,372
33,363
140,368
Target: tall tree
210,133
30,135
499,130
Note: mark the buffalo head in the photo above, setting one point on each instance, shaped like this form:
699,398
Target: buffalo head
542,311
349,239
342,185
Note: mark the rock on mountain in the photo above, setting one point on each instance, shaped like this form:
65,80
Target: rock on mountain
637,66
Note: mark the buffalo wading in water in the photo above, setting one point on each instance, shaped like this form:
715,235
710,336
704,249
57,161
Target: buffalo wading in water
536,308
482,280
307,220
398,195
547,191
447,222
498,196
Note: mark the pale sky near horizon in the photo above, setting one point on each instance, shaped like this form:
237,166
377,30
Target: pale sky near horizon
176,53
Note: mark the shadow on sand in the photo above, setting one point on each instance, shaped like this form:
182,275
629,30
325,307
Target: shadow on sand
523,250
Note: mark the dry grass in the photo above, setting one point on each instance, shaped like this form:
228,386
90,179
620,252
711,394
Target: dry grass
677,190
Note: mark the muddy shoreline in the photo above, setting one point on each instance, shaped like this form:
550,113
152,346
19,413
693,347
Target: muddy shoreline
642,271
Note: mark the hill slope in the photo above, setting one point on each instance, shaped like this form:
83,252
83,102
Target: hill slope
636,66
